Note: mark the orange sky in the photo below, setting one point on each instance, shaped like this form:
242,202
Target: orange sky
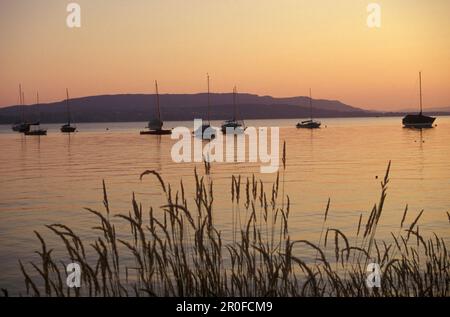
267,47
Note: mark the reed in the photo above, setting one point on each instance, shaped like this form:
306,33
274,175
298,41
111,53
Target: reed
179,250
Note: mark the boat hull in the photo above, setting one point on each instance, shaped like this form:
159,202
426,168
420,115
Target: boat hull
309,125
68,129
418,121
36,132
232,127
156,132
235,130
200,132
21,127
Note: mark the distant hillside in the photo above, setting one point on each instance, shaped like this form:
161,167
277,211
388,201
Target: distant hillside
141,107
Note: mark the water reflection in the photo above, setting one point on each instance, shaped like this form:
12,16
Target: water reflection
157,156
51,180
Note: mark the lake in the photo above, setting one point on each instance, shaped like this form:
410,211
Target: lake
50,179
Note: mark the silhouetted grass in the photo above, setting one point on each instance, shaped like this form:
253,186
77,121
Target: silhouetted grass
179,250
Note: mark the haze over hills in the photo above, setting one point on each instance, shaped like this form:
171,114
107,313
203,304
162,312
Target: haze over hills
142,107
429,109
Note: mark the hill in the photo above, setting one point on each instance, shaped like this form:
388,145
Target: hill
141,107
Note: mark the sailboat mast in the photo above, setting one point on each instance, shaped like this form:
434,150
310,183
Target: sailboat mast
158,111
420,88
37,104
234,103
310,105
67,106
209,104
21,103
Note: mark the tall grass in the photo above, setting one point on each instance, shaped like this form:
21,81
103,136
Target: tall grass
178,250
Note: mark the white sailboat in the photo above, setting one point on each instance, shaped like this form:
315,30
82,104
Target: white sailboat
233,126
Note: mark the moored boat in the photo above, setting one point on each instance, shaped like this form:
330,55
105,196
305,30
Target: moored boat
22,126
311,123
200,132
68,127
38,131
155,126
418,121
233,126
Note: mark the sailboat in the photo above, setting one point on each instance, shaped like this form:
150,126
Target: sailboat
38,130
206,125
68,127
155,125
22,126
233,125
309,124
418,121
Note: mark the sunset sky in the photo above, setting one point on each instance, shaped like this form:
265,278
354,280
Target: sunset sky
267,47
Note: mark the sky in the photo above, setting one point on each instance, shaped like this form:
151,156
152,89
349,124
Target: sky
279,48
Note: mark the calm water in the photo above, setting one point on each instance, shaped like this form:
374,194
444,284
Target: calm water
50,179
